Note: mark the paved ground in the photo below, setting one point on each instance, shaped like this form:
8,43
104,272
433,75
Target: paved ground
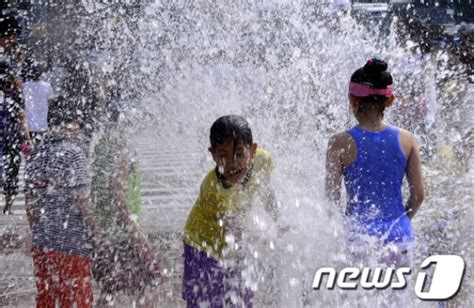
170,182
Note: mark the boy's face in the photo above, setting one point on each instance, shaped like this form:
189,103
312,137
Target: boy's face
234,164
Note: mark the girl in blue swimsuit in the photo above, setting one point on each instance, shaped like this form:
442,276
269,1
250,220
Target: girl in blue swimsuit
373,158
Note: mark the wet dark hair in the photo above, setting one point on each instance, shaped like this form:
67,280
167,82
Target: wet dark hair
231,127
374,74
5,68
79,90
5,71
112,112
62,112
77,100
8,25
34,70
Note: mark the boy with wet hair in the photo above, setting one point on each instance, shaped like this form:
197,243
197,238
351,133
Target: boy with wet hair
212,276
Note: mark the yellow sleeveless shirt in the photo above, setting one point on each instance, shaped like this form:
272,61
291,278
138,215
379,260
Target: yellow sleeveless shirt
205,228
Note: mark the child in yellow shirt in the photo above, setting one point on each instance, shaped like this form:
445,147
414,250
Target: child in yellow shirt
242,174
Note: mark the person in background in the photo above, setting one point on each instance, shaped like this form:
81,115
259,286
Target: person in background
60,213
126,260
24,25
14,132
36,93
10,51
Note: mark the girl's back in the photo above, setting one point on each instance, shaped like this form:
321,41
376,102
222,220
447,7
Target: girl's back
373,183
373,180
373,158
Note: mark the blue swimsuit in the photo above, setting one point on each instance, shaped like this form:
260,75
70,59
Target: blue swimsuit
373,184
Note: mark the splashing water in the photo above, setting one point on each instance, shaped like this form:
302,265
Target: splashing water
285,66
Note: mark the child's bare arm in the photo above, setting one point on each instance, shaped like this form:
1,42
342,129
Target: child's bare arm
120,201
24,125
333,169
271,205
415,179
29,209
87,210
119,187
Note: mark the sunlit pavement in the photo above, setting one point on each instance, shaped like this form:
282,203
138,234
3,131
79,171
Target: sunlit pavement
170,183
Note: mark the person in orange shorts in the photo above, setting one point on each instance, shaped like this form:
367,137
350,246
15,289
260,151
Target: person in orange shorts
62,278
60,214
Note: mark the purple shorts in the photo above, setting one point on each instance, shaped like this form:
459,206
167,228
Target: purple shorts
205,281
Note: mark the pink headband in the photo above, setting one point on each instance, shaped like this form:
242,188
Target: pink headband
363,90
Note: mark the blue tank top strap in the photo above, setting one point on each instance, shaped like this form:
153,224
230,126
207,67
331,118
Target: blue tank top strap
396,131
359,134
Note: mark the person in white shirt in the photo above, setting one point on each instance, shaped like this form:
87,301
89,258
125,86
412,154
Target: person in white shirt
36,93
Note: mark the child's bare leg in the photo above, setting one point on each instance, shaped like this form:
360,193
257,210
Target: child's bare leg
8,204
398,255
